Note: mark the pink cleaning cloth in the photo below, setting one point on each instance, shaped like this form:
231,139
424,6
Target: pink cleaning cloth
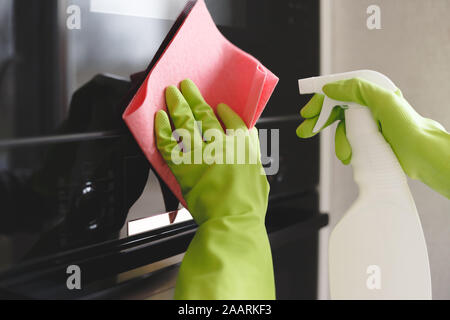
223,73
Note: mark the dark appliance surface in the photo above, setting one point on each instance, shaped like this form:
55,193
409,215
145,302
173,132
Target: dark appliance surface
71,175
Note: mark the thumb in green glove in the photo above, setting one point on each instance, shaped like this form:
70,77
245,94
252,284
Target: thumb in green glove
421,145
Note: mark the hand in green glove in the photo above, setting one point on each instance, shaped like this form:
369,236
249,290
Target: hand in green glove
421,145
229,257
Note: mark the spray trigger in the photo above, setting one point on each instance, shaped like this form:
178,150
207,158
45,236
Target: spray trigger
325,113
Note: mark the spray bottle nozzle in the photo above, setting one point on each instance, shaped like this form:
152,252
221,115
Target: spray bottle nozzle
315,85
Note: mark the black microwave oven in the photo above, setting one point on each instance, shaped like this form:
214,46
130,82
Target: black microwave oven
75,189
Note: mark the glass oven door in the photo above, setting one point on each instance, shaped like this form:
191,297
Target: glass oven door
74,186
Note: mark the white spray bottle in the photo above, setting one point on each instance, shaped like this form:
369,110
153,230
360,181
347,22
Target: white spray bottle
377,250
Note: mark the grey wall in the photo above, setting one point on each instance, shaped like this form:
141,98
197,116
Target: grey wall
413,49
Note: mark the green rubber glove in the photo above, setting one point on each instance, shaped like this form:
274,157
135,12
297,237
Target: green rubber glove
229,257
421,145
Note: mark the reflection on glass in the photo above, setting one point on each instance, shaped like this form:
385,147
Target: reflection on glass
156,222
158,9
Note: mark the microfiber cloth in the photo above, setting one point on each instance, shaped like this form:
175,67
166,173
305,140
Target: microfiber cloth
195,49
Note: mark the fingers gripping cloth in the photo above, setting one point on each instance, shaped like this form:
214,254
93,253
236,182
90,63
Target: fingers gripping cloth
196,49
